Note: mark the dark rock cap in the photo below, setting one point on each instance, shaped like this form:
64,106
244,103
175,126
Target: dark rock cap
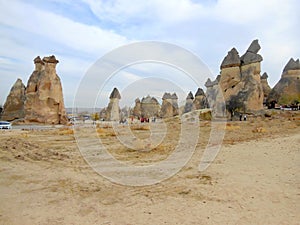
210,83
174,96
254,47
166,96
264,76
232,59
38,60
190,96
200,92
292,65
149,100
115,94
50,59
251,55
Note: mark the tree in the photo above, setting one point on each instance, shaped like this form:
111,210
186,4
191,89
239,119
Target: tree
1,110
95,116
235,103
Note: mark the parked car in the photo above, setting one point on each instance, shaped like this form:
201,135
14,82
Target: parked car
5,125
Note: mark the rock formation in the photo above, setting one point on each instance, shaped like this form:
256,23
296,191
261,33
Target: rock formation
239,78
169,106
287,90
113,109
44,98
265,86
188,107
102,114
149,107
200,101
251,55
14,105
137,110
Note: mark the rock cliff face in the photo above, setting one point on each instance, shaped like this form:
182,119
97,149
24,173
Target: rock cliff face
44,98
188,107
137,110
150,107
287,90
14,105
200,101
169,106
240,78
113,109
265,86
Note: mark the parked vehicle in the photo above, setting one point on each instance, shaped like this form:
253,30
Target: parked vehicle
5,125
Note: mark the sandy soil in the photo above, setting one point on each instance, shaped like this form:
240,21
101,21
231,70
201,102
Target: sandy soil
255,178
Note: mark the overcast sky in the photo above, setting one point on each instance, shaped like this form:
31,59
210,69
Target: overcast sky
78,33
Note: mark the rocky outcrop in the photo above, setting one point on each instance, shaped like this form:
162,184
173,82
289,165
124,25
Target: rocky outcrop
241,80
291,65
215,97
14,105
169,106
251,55
287,90
188,107
150,107
265,86
232,59
113,109
44,98
102,114
200,101
137,110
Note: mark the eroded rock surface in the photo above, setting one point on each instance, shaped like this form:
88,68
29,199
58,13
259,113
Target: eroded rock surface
44,97
14,104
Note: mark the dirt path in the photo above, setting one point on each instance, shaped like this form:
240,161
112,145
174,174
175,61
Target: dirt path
44,180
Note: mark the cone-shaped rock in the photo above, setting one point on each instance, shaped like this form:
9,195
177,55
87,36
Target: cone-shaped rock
113,109
232,59
265,86
200,101
251,55
14,105
287,90
188,107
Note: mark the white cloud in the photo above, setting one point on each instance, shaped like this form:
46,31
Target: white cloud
85,38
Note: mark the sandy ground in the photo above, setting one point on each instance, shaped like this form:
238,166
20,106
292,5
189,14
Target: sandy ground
255,178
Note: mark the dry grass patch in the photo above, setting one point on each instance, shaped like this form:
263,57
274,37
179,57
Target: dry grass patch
106,132
139,127
65,131
232,127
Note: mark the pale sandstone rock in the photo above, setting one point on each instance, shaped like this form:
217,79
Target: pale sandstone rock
137,110
14,104
150,107
265,86
241,81
287,90
44,98
188,107
200,101
113,109
169,106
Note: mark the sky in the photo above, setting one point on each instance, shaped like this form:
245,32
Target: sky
80,32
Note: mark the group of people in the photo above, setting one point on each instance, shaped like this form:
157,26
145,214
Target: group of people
147,120
241,117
